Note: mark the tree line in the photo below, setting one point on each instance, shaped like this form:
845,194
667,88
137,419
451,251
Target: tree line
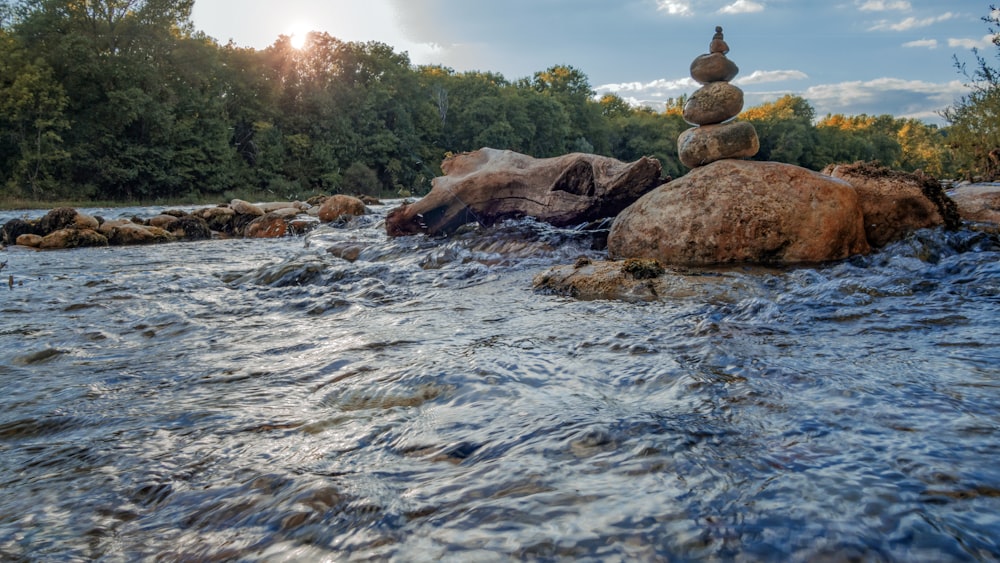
124,100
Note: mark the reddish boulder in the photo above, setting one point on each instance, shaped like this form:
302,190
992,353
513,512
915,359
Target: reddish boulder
339,206
897,203
742,211
490,185
270,225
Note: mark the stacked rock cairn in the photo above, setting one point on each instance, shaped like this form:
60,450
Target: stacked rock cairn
712,108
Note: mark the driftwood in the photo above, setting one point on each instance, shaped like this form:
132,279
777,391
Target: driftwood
489,185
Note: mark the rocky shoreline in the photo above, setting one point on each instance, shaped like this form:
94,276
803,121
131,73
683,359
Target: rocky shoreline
66,227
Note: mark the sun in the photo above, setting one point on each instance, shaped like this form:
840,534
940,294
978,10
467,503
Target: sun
299,36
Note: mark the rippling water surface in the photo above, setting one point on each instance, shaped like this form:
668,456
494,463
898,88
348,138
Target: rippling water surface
267,400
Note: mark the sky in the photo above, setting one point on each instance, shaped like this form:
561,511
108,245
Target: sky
844,56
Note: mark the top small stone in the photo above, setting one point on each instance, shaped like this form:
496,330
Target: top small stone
718,44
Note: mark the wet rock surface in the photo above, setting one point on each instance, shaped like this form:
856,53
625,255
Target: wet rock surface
741,211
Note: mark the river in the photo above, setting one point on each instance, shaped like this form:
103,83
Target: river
265,400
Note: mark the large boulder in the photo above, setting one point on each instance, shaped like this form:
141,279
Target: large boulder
489,185
978,203
897,203
742,211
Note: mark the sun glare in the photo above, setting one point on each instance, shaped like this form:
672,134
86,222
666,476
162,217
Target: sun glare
298,36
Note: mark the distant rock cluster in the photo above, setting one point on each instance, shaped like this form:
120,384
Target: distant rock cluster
712,108
66,227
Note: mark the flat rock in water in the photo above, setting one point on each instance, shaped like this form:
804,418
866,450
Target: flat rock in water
631,280
735,211
979,203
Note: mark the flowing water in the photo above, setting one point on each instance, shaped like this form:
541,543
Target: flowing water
265,400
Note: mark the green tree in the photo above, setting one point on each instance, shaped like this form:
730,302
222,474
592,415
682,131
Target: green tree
974,121
571,88
785,130
32,122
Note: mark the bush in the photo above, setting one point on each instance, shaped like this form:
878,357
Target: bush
361,180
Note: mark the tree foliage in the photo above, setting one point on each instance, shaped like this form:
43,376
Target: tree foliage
974,120
125,100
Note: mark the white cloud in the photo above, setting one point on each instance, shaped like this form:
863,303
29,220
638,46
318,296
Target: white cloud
661,86
928,43
983,43
911,23
742,7
915,99
674,7
762,76
882,5
884,95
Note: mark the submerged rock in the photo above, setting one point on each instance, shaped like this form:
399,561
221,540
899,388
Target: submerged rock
490,185
629,280
742,211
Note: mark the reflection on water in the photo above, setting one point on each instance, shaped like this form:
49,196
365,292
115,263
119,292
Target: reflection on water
267,400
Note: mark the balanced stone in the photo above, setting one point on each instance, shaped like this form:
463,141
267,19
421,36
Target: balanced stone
699,146
713,67
718,44
716,102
